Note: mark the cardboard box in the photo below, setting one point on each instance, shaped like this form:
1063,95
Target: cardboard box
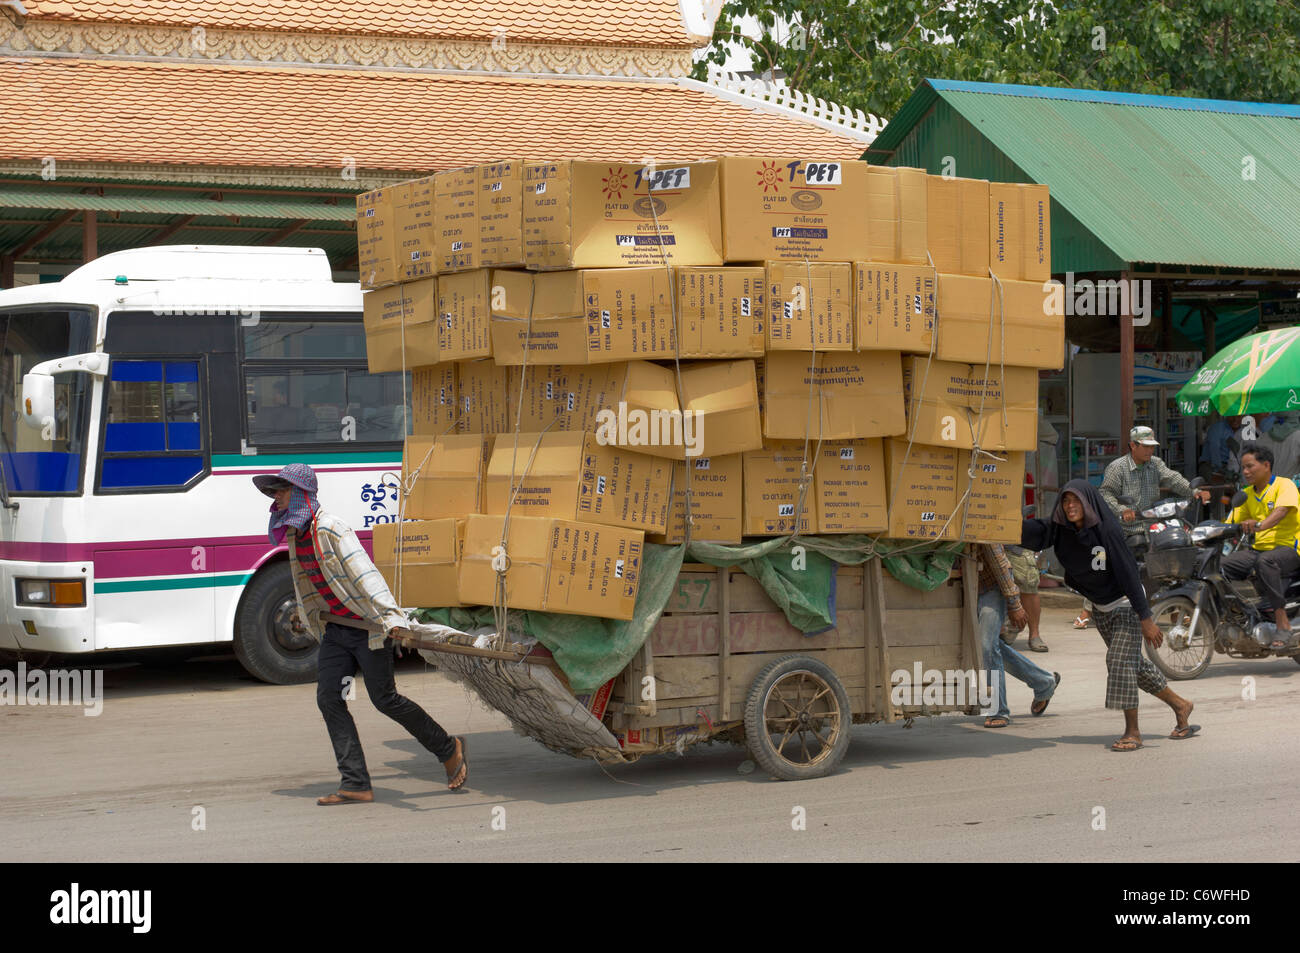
809,306
896,215
961,405
434,399
852,395
445,474
629,313
850,487
573,397
554,565
376,238
559,317
957,225
574,475
720,312
717,494
922,490
398,314
456,212
772,482
601,215
1015,330
484,394
501,215
1020,231
429,560
997,493
415,238
793,209
464,324
893,306
720,409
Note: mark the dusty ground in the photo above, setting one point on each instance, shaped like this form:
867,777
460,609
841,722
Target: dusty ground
124,786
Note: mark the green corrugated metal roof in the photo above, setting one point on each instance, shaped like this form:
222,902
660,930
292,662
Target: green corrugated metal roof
164,204
1156,179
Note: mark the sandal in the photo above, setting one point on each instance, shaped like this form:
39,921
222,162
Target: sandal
1036,644
1034,709
1185,732
988,722
461,766
346,797
1126,744
1080,622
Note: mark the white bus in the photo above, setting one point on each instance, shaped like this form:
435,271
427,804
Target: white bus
138,397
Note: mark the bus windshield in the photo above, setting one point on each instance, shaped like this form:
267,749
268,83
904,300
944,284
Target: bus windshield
45,461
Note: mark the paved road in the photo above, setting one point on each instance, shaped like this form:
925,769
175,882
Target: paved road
123,786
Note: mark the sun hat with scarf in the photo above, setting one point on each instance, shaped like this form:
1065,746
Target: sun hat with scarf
302,502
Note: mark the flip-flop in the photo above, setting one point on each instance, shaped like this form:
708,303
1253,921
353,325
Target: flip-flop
464,763
1048,700
346,797
1187,732
1125,745
1081,623
1005,721
1036,644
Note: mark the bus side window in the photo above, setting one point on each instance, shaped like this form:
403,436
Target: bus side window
153,430
306,384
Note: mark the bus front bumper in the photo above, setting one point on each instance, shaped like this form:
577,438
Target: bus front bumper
46,628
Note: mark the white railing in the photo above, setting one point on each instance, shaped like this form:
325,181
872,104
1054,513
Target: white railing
785,97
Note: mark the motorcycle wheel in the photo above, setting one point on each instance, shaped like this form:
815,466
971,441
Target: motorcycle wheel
1183,654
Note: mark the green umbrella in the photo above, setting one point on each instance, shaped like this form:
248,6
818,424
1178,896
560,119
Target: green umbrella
1257,374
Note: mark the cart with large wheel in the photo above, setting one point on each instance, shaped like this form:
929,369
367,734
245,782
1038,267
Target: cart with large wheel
723,663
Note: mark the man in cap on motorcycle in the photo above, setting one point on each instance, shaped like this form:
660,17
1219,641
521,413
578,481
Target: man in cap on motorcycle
1139,476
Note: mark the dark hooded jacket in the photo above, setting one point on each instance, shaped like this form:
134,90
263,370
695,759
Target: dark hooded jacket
1096,558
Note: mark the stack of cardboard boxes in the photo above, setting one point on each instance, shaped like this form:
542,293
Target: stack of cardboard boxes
589,340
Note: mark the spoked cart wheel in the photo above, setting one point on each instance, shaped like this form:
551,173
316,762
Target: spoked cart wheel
797,719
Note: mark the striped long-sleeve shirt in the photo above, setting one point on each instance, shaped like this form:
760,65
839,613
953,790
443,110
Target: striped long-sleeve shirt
995,570
350,575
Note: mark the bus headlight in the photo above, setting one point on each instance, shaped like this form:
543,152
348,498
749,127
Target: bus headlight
51,592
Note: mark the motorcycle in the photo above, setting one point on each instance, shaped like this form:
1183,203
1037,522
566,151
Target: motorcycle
1200,611
1160,517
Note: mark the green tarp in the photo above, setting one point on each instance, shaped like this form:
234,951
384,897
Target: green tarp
591,651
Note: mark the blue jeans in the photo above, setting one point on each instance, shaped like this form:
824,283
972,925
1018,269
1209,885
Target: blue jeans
1001,659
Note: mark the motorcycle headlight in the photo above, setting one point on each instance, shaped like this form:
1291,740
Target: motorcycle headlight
1163,510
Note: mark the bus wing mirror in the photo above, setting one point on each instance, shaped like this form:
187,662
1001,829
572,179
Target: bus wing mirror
38,399
38,384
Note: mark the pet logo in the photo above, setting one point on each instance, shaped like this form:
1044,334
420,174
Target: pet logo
769,177
614,183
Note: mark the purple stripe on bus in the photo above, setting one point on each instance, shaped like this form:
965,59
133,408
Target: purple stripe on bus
372,468
156,557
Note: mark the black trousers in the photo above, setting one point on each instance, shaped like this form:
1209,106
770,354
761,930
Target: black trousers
1274,569
343,652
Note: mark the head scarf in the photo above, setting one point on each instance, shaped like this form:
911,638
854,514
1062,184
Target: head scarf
302,507
302,501
1095,510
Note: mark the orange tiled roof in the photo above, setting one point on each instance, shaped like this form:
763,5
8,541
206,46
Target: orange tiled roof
169,113
601,22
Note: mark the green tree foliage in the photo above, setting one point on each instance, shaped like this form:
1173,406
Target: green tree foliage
872,55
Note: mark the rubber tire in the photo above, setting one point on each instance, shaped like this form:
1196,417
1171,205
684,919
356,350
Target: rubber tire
759,741
253,644
1178,676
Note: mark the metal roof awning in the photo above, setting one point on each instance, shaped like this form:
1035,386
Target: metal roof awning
45,197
